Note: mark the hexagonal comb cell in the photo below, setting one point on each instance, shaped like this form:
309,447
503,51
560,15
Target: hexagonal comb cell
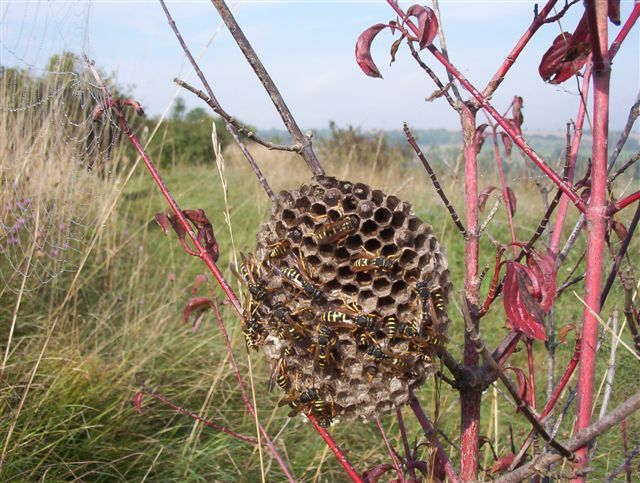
353,263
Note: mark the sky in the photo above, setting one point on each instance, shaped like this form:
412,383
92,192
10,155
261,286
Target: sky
308,48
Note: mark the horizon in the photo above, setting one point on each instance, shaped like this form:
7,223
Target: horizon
307,48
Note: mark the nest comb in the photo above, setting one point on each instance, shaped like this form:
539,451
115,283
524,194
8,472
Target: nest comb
348,299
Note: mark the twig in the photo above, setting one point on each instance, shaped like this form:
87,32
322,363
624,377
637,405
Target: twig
568,284
296,148
442,89
490,216
192,415
434,180
342,459
631,317
521,405
611,366
405,444
580,440
620,256
624,167
394,459
445,52
625,464
292,126
432,437
231,127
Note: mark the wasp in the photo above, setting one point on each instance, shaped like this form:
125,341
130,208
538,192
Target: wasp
373,261
288,322
310,400
432,302
278,249
324,344
249,273
279,374
253,332
391,322
299,279
337,230
350,316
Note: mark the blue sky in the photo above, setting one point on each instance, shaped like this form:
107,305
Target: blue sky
308,47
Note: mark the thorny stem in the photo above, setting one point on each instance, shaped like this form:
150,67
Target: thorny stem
353,474
405,444
434,180
580,440
166,401
232,127
430,433
292,126
394,459
482,102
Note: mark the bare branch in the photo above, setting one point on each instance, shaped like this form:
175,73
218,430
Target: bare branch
580,440
306,152
442,89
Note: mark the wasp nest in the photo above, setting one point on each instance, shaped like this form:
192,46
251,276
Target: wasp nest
348,295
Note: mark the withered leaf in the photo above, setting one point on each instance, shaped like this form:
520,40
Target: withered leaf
520,305
363,50
427,24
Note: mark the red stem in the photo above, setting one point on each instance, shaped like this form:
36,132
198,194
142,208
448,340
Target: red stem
564,380
623,203
532,380
498,77
430,433
505,193
596,220
518,139
333,446
575,147
624,31
394,459
206,422
470,399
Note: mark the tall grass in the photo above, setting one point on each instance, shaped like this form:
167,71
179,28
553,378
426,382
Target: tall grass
77,344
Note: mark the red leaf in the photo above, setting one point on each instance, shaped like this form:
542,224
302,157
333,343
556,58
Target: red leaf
544,269
512,200
484,196
567,55
614,11
479,136
619,229
163,221
135,105
427,24
523,385
522,310
375,473
197,281
508,143
137,402
502,464
363,50
196,303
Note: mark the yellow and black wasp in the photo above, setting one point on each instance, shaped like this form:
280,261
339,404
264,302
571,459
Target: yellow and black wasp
332,232
249,273
299,279
350,316
373,261
279,374
432,302
310,401
278,249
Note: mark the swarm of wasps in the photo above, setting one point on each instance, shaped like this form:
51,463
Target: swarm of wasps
350,324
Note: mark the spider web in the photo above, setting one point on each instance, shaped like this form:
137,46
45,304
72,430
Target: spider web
57,166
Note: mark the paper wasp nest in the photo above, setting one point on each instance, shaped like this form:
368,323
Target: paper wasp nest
348,299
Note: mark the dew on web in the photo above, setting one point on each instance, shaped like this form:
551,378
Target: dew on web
57,166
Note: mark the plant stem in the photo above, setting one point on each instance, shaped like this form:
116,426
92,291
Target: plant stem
595,217
292,126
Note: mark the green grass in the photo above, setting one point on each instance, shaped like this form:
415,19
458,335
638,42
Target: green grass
85,341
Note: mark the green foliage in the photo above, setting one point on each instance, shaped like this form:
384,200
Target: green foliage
350,145
186,136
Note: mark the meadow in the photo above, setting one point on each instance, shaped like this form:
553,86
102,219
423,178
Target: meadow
93,294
